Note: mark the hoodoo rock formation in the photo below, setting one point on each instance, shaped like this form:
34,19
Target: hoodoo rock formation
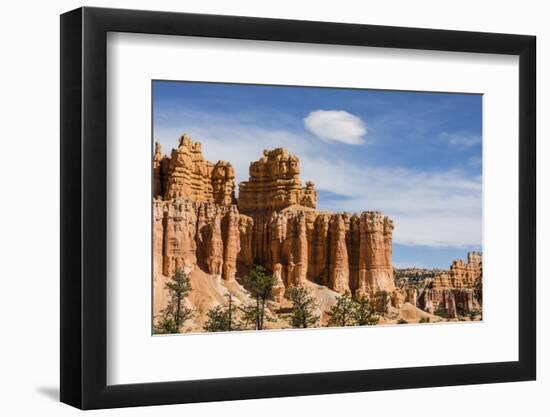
275,184
454,292
199,223
187,175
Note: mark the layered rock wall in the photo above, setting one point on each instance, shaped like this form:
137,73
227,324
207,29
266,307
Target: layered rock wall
187,175
275,184
341,251
455,292
198,222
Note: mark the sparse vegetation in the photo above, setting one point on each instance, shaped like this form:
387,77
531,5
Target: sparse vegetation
303,307
175,313
260,284
218,320
249,314
417,277
365,314
221,319
382,299
344,312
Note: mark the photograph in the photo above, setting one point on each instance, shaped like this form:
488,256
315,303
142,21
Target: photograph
293,207
263,208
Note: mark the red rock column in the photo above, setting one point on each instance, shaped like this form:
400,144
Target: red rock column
157,166
260,239
353,251
287,250
339,267
375,270
449,303
179,238
318,263
223,183
388,244
412,296
429,302
232,244
380,271
277,228
277,234
159,280
214,247
202,234
362,288
158,237
398,298
246,226
172,241
300,250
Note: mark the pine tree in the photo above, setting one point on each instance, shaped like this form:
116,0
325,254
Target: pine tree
218,320
382,298
344,312
165,326
249,315
221,319
175,313
260,284
303,307
365,314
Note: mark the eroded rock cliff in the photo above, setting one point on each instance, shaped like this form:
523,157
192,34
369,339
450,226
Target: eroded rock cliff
275,184
455,292
198,223
187,175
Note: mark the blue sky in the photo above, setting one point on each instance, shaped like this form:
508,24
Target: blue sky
415,156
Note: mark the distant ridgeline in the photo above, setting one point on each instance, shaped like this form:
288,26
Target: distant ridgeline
199,223
457,291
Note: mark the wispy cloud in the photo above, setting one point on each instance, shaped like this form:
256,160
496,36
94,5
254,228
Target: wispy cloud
429,208
336,125
475,160
460,139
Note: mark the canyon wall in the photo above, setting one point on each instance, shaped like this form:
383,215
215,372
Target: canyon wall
198,222
457,291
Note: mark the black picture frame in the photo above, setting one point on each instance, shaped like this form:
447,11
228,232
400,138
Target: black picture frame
84,207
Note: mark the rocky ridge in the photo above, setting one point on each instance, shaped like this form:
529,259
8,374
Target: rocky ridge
202,228
199,223
456,291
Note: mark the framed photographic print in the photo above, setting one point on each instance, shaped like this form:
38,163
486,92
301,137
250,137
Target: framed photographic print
257,207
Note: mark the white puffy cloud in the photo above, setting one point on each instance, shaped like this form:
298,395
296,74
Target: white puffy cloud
336,125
